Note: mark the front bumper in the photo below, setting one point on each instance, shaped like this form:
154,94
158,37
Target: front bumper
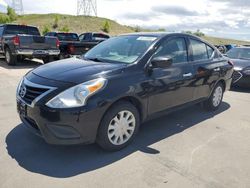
63,126
37,53
240,79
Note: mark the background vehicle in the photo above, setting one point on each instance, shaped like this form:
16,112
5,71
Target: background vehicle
19,42
72,45
120,83
240,56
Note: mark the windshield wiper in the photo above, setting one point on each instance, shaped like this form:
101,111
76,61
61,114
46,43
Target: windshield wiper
94,59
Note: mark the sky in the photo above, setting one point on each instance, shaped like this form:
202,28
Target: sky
221,18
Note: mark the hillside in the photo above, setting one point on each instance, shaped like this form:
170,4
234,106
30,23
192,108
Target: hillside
82,24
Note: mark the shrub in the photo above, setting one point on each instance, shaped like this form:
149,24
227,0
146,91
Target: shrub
65,29
137,28
4,18
46,29
106,27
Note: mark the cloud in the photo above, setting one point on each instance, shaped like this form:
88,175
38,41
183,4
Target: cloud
174,10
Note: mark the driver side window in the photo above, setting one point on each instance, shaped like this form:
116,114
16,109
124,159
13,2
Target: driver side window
174,48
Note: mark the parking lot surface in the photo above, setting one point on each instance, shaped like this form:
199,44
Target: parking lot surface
188,148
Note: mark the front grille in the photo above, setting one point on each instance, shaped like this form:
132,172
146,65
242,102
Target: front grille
29,93
236,76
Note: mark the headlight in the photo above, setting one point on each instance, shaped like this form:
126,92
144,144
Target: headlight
77,96
18,86
246,71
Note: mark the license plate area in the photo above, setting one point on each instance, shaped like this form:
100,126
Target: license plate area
40,52
21,108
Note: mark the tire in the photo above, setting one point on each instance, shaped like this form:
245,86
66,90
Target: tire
9,57
124,114
215,100
48,59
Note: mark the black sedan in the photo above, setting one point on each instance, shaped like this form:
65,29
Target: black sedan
240,56
119,84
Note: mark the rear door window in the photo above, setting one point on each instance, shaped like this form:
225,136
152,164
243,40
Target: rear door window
199,50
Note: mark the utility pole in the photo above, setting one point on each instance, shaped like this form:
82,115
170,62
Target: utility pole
87,7
18,6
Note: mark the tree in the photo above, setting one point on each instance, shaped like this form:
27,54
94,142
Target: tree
137,28
46,29
56,20
106,27
162,29
11,13
64,29
199,33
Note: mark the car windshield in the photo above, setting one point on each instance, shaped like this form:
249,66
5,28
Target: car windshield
122,49
239,53
67,37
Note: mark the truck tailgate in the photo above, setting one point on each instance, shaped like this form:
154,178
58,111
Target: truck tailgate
37,42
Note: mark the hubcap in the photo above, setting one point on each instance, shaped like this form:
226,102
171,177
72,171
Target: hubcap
217,96
7,56
121,127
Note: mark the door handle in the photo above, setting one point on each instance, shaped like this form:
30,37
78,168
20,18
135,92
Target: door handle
217,69
187,75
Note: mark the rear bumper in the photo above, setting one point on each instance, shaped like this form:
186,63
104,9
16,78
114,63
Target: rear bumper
36,53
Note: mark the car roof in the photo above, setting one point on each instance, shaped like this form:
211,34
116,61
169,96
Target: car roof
161,34
18,25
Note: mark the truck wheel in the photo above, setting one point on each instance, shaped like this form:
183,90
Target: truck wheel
118,126
215,100
48,59
9,57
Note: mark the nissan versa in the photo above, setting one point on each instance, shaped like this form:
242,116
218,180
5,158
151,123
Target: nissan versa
120,83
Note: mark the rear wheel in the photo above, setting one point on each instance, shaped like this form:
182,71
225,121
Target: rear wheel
215,100
9,57
118,127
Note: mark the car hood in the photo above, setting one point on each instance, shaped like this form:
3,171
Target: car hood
241,63
76,70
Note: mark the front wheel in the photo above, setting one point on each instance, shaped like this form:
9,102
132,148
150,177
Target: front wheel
215,100
118,126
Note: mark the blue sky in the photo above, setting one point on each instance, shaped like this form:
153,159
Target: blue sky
220,18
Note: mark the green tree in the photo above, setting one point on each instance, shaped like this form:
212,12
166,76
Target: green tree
64,29
46,29
199,33
106,27
11,13
137,28
56,20
161,29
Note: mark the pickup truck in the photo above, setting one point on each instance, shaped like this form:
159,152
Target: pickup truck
18,42
72,45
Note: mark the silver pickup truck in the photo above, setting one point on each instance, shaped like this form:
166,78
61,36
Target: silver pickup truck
18,42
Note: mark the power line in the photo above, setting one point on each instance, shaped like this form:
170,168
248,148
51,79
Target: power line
87,7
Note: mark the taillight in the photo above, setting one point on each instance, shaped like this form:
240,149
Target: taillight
230,62
71,49
57,43
16,41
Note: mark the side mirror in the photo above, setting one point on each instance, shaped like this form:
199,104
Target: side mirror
161,62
